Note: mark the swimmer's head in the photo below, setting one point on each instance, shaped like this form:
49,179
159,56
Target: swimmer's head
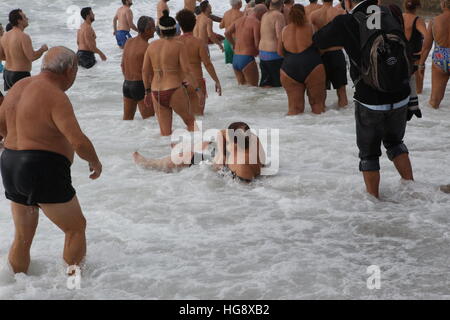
146,26
259,11
127,3
236,4
167,25
87,14
239,134
297,15
63,62
445,4
205,7
411,5
288,2
276,4
187,20
17,18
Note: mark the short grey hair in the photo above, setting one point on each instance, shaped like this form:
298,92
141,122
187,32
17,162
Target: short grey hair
59,62
234,3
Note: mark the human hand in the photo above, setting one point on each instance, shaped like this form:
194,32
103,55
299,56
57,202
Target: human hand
96,169
219,89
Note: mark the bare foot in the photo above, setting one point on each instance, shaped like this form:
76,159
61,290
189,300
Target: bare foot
445,189
138,158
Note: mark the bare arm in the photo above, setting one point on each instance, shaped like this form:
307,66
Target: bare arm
93,44
115,23
279,25
427,45
212,35
229,34
257,34
280,44
3,128
2,52
64,118
222,23
147,70
27,48
210,68
130,21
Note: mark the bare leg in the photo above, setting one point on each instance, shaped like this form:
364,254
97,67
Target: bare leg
438,86
69,218
251,74
164,116
203,99
129,109
316,89
165,164
146,112
26,221
1,100
295,92
239,77
181,105
404,168
372,181
342,97
194,101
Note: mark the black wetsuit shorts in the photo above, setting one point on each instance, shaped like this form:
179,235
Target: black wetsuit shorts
33,177
86,59
134,90
11,77
335,68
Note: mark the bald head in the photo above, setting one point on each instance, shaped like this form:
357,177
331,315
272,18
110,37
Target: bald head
58,60
259,11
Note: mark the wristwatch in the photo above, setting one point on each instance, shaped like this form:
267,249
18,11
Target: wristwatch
147,91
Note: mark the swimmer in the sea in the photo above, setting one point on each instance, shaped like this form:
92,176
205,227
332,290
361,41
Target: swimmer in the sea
166,67
123,23
228,19
334,58
132,63
17,50
244,35
236,150
204,27
42,135
197,55
86,40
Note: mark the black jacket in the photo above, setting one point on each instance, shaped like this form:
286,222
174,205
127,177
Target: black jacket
343,31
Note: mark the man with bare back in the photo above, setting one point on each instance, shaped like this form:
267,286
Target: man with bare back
272,24
228,19
124,17
42,136
132,63
311,7
244,35
334,58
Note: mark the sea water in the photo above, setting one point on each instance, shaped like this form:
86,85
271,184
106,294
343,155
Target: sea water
309,232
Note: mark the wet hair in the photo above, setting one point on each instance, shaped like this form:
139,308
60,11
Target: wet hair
297,15
167,25
124,2
61,62
144,24
8,27
85,12
260,2
14,17
327,1
288,1
187,20
277,4
234,3
204,5
397,13
312,1
239,131
412,5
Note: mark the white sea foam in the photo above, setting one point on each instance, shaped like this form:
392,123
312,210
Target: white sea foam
309,232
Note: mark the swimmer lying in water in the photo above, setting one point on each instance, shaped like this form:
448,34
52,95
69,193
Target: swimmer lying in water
235,150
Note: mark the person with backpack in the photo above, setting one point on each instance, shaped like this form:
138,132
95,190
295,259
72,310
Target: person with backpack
380,67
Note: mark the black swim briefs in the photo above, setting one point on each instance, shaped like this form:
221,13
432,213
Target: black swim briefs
335,68
134,90
11,77
270,73
33,177
86,59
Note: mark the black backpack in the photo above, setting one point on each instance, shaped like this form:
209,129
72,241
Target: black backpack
386,60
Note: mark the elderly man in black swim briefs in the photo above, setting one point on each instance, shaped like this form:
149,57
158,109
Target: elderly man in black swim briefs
42,135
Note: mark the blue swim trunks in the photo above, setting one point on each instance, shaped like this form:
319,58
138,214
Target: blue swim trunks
240,62
269,56
122,37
